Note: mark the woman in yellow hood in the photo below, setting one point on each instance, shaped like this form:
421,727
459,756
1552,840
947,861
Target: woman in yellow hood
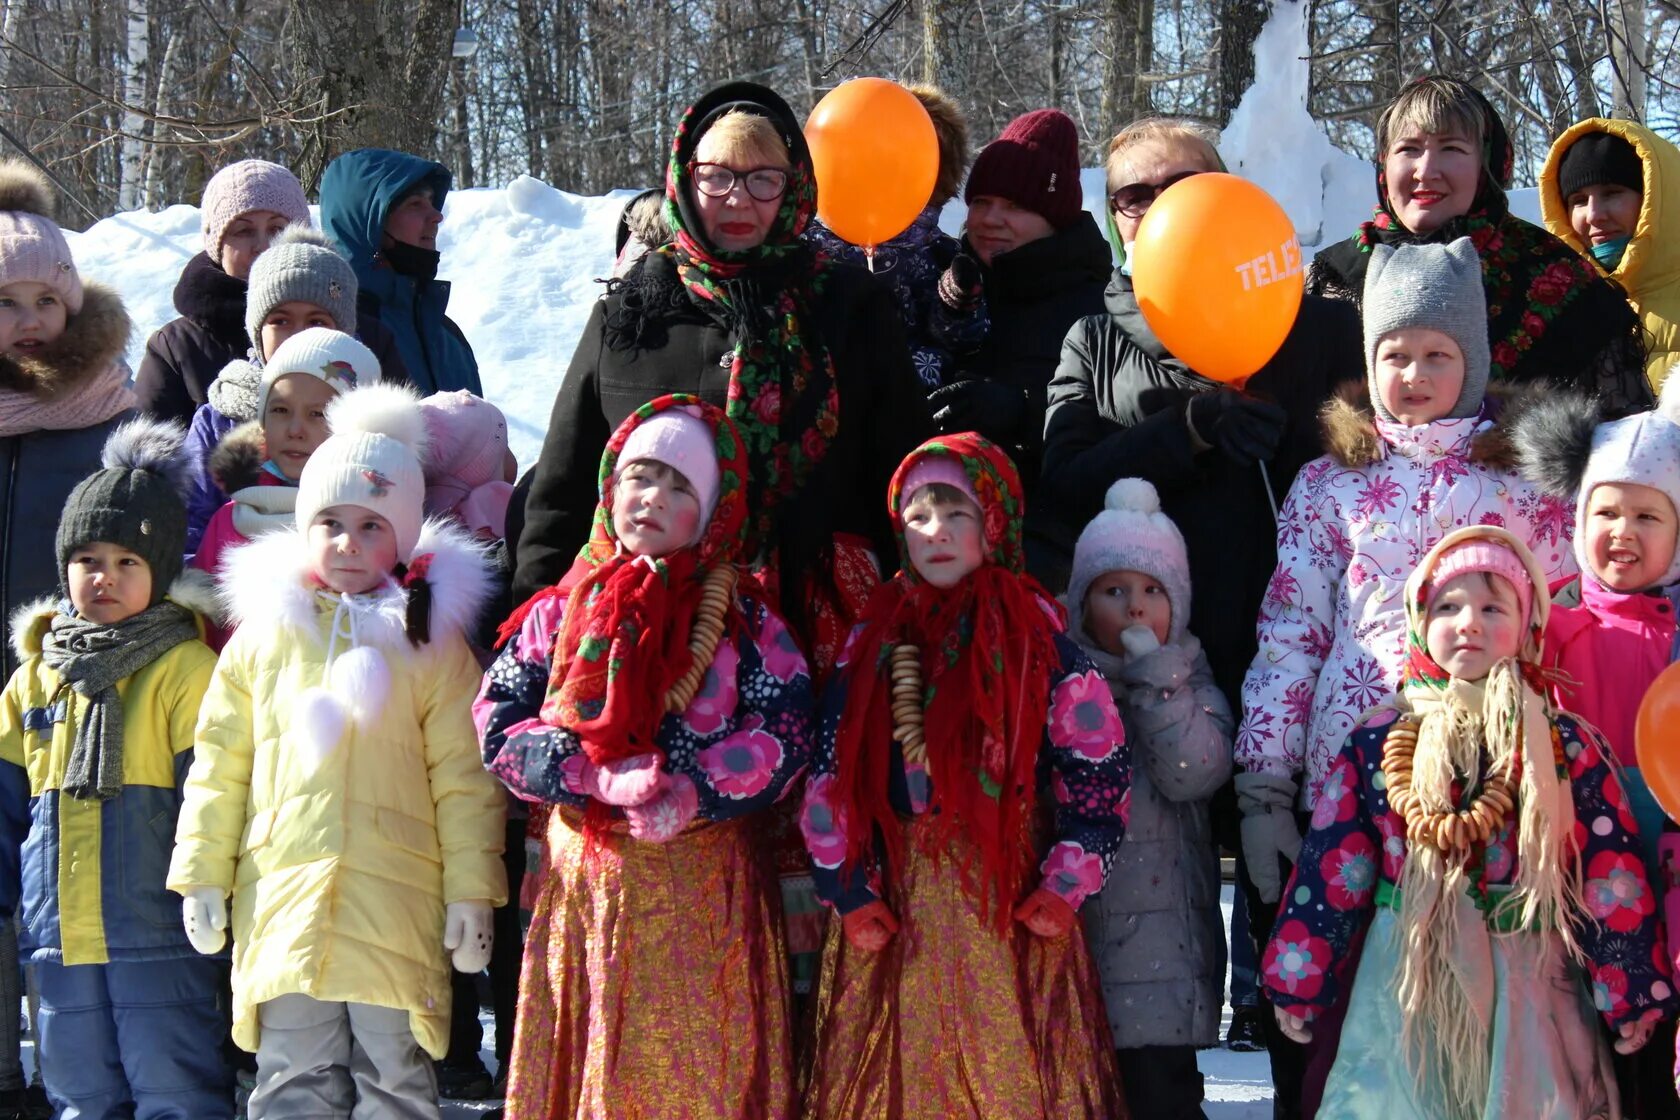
1602,192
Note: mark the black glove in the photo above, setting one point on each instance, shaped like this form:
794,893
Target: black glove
961,285
992,408
1241,428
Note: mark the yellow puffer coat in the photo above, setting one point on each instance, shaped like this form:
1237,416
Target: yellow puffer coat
337,789
1650,267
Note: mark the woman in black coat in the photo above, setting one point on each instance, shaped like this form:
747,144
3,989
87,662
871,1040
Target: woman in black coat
808,357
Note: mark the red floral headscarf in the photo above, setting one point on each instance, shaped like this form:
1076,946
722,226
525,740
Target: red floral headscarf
988,657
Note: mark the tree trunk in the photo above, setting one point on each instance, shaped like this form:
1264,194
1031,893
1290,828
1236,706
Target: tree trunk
136,64
1131,54
1240,22
1628,49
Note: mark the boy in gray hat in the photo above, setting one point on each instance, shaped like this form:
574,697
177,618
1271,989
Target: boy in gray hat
96,734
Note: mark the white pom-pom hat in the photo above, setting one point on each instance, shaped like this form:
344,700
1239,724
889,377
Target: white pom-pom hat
372,460
1131,534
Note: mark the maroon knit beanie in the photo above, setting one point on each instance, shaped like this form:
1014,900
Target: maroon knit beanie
1034,163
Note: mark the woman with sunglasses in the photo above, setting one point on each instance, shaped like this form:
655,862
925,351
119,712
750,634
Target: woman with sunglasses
1443,164
1122,406
808,357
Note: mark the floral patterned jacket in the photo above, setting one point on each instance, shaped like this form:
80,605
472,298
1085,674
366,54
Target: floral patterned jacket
742,739
1357,840
1332,626
1083,762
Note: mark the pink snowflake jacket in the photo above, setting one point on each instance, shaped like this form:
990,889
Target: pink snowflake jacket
1357,521
741,740
1355,855
1083,763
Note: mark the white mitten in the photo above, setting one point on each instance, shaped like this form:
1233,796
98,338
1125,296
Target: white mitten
204,914
466,934
1139,640
1294,1028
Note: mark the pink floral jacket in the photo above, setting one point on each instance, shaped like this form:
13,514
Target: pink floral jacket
1332,626
742,739
1357,844
1084,763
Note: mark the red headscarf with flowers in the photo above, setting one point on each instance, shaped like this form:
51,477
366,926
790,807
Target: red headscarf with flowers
623,641
988,655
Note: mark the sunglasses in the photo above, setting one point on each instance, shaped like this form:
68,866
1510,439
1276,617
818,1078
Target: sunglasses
766,184
1135,199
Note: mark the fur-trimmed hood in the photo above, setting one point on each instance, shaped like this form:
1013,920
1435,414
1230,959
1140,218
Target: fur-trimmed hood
93,338
192,589
267,583
1349,424
237,461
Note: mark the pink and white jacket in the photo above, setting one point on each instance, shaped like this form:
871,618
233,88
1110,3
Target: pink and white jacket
1332,626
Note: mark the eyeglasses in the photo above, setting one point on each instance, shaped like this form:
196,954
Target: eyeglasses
1134,200
715,180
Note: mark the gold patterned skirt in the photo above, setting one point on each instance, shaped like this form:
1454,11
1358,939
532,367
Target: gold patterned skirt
956,1021
654,984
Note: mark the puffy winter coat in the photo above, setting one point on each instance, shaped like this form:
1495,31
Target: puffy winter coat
38,469
357,193
1332,627
1117,410
1649,271
91,888
1156,930
341,852
1634,634
185,355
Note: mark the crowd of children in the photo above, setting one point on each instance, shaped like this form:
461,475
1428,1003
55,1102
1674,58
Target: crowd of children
268,716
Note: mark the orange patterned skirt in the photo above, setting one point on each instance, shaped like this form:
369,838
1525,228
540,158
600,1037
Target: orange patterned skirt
953,1020
654,984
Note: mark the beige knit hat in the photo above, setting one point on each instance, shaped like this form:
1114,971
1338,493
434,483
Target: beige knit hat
372,460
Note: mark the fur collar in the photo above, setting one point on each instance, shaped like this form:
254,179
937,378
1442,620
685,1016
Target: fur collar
267,584
93,338
237,461
192,589
1349,425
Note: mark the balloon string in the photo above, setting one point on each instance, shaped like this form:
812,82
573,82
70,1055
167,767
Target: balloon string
1271,499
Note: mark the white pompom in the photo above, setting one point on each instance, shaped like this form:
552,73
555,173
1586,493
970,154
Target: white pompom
389,410
320,720
1133,494
362,683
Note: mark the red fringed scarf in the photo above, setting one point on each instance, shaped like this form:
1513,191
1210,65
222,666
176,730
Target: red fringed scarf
988,656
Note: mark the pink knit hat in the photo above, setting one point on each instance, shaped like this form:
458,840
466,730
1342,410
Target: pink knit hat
1483,554
32,247
239,188
681,440
468,444
937,468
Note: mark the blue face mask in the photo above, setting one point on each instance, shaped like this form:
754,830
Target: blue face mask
1609,253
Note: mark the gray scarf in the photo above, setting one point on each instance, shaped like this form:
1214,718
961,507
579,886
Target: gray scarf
92,658
236,390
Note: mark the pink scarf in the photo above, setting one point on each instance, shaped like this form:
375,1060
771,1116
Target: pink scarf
94,402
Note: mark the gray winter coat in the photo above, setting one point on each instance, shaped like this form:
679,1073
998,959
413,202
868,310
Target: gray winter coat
1156,930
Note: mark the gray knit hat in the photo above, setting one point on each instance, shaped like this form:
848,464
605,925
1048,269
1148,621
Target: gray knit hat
301,264
137,502
1131,534
1438,287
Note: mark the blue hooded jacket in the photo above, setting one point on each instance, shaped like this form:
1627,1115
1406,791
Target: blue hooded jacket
357,193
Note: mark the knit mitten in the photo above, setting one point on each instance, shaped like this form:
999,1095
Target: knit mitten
961,285
869,927
1046,913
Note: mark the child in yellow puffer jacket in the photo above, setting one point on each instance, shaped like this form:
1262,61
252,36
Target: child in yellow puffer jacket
337,791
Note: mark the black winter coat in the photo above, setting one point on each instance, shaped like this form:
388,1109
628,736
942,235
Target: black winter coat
1033,295
1117,410
883,416
184,355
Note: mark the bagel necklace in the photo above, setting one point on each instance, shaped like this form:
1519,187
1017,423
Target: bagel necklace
1451,830
906,672
716,593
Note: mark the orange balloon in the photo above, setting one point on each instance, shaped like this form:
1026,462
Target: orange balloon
1656,739
876,159
1217,271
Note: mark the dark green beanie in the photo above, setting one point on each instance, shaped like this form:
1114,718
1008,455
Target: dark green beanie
137,502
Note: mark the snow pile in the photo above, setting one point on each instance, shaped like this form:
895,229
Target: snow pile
523,261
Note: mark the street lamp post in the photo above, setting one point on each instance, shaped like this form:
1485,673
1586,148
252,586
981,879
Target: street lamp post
461,56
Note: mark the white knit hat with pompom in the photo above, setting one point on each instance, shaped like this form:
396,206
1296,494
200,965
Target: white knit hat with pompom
372,460
1131,534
